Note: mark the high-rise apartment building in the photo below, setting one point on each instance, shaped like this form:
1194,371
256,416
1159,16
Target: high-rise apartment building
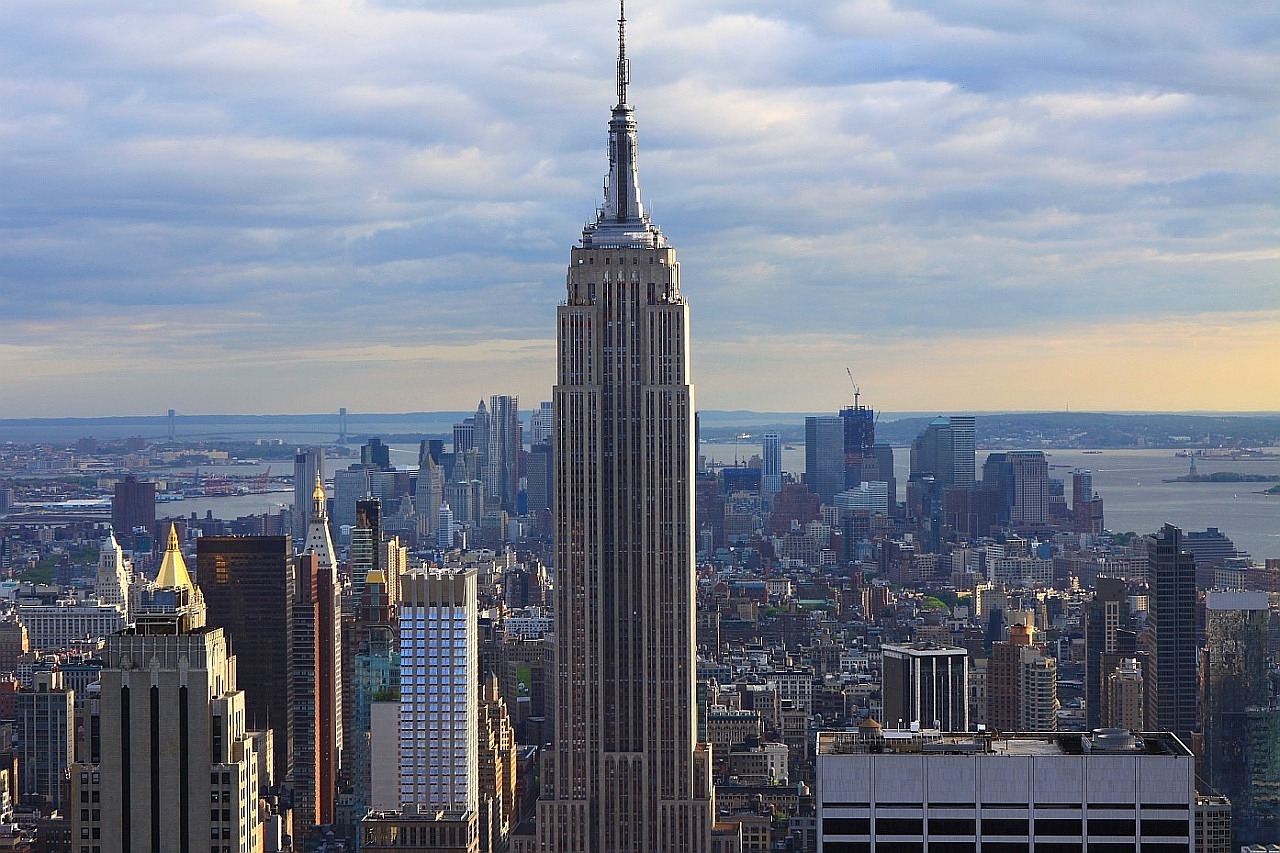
249,590
1022,685
43,730
1237,714
626,773
1171,693
308,465
926,684
439,719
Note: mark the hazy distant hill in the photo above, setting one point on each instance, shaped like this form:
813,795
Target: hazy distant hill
1021,429
1049,429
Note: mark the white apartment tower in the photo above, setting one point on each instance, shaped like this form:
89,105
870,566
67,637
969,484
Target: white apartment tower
439,690
626,773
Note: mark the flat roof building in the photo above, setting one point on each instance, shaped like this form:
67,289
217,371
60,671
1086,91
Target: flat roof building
892,791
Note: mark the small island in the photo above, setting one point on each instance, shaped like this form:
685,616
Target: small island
1226,477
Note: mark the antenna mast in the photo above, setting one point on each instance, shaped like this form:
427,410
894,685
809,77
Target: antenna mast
624,67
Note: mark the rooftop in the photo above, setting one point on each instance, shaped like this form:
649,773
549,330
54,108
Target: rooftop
932,741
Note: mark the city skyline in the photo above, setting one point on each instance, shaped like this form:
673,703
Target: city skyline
1076,200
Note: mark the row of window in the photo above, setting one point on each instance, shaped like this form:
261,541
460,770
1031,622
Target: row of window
1004,826
1006,847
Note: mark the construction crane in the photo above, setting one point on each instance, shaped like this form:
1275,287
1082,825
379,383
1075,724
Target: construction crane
857,392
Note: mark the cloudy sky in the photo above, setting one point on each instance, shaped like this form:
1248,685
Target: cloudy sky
270,206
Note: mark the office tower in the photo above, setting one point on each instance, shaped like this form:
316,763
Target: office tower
859,438
542,424
1029,472
964,450
1086,507
945,450
497,768
308,465
882,452
317,687
502,472
481,426
1236,708
1171,629
113,583
349,486
1108,638
6,500
539,477
44,725
771,474
366,536
376,454
626,772
249,590
429,491
926,684
896,792
464,436
318,663
172,766
133,509
824,455
444,527
1022,685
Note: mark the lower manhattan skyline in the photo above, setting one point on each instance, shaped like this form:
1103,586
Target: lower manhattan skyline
1005,207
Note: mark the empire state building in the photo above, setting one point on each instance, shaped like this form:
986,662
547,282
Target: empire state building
626,772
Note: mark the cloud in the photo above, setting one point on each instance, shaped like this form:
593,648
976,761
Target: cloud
243,201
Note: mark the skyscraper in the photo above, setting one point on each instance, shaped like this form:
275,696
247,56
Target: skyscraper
308,464
168,764
945,449
926,684
1108,639
626,772
824,455
248,585
318,665
502,470
133,507
771,474
1236,708
438,729
1171,625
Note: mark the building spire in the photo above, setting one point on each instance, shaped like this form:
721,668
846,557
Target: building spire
622,222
